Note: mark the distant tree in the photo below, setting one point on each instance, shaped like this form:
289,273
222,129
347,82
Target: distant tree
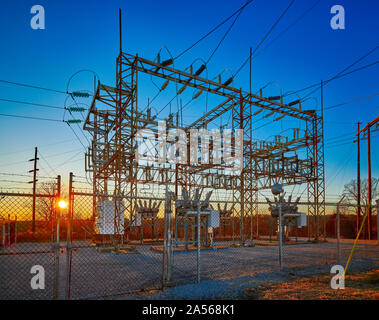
46,205
350,191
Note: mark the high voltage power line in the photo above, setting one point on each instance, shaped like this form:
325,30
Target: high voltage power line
344,70
213,30
32,104
289,27
318,85
32,86
27,117
238,12
83,94
265,37
257,47
351,101
226,33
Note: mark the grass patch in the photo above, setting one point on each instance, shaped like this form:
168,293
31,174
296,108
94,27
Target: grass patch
358,286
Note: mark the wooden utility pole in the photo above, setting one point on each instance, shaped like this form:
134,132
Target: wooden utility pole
367,129
358,181
35,159
369,227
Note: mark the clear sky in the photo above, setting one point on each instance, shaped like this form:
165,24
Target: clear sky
84,35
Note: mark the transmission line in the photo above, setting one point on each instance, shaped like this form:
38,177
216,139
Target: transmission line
289,27
352,101
26,117
341,72
264,38
214,29
32,104
32,86
226,33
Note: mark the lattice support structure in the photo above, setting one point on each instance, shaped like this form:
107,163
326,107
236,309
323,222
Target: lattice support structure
316,183
113,120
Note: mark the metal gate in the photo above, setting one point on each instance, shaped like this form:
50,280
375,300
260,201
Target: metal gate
29,255
101,265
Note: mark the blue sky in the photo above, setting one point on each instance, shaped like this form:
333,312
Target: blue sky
84,35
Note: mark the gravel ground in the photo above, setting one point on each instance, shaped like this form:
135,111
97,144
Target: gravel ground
225,272
240,287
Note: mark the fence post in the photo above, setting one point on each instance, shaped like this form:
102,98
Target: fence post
9,230
339,231
270,226
169,238
164,251
68,249
57,244
251,226
257,225
198,241
280,236
3,233
15,229
338,235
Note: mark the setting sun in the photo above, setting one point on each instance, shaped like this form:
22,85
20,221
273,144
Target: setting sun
62,204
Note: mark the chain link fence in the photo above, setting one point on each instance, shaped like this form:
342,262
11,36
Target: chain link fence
26,243
98,268
154,249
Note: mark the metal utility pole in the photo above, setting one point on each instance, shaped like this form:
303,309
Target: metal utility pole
242,192
358,180
323,167
251,123
377,221
35,159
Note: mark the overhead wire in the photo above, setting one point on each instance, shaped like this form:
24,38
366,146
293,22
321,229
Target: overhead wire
213,30
32,103
334,78
27,117
238,12
226,33
32,86
264,38
345,69
351,101
289,27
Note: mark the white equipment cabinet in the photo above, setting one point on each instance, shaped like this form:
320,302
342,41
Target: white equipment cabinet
107,222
